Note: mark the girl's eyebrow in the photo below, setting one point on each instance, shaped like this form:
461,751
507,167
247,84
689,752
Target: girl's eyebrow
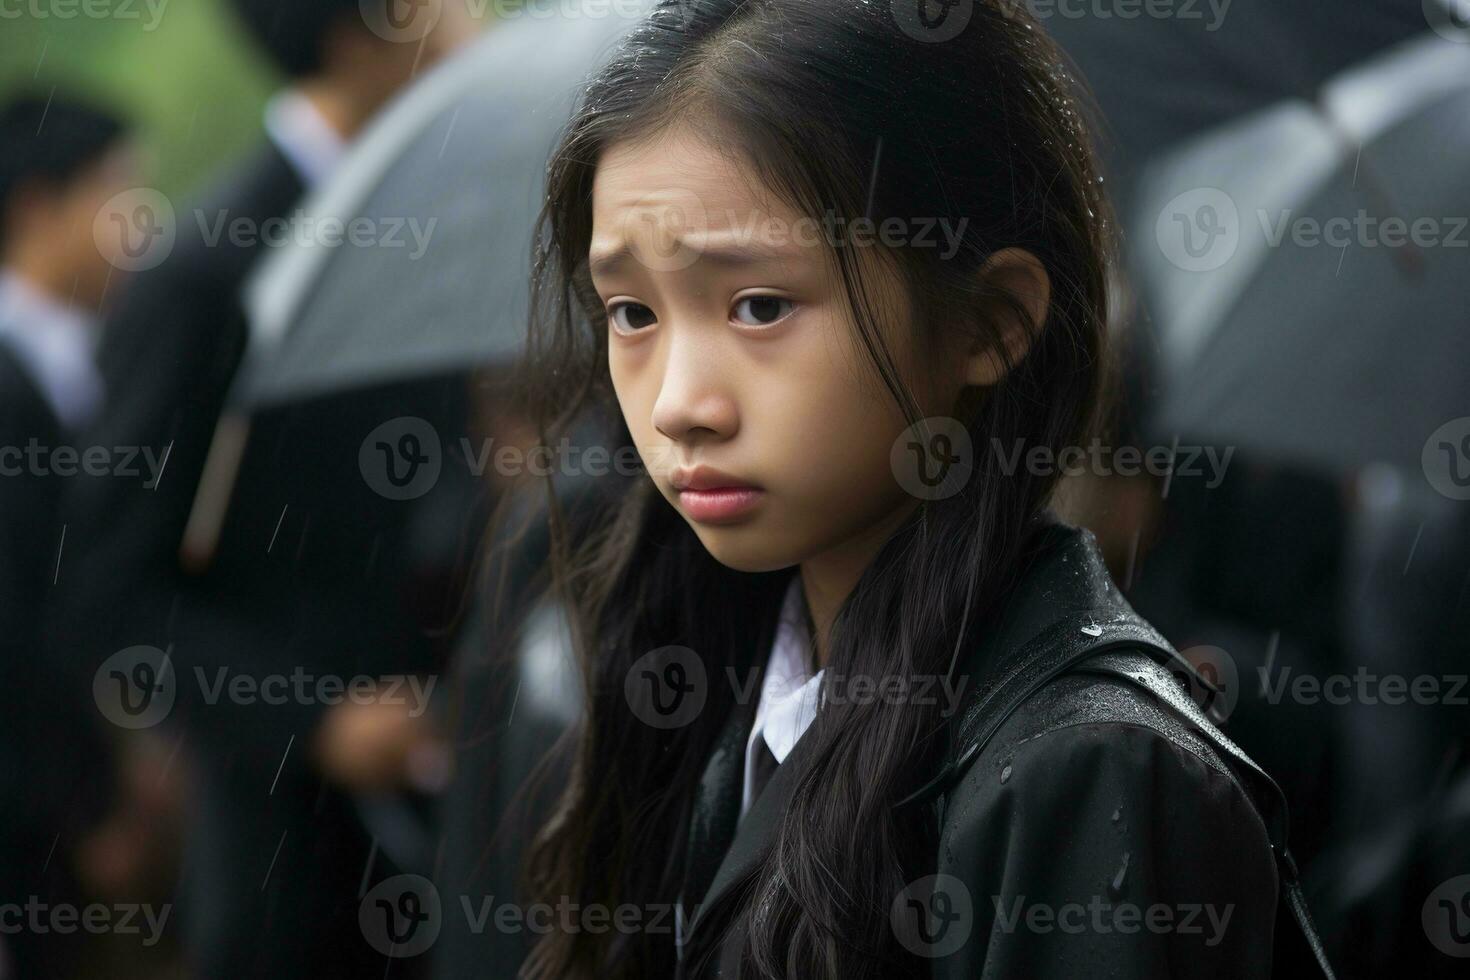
608,261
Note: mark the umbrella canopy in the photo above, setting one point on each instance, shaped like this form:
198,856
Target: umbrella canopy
1308,268
443,193
1163,73
414,258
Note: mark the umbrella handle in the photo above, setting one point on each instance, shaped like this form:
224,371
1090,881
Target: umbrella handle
212,497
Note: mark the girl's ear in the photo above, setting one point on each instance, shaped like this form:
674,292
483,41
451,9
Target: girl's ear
1016,273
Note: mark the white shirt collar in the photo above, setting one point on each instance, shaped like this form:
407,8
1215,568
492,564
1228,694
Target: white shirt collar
303,136
790,692
55,342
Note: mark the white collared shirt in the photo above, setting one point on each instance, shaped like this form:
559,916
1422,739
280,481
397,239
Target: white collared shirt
55,343
789,692
303,136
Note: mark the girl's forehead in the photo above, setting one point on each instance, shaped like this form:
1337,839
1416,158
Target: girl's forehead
686,168
692,195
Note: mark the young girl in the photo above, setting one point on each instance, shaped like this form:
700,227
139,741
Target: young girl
857,706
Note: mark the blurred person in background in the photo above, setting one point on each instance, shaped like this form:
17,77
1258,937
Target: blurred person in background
62,161
274,858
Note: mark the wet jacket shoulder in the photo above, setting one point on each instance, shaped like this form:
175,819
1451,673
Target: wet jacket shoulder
1097,828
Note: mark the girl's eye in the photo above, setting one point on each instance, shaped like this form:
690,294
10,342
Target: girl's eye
631,317
762,311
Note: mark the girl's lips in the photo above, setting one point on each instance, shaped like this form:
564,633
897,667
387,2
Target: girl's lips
719,505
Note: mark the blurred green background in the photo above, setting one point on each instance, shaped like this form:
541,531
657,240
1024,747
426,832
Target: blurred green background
191,85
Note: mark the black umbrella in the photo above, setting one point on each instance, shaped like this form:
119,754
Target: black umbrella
1309,270
1164,72
445,191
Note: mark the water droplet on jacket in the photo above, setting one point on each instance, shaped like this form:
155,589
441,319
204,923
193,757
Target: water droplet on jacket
1005,774
1093,630
1117,814
1116,885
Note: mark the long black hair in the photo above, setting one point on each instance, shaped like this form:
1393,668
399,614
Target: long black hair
844,107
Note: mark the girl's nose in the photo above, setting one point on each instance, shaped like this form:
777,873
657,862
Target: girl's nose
694,400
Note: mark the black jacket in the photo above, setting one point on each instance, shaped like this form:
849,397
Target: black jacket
168,353
1090,820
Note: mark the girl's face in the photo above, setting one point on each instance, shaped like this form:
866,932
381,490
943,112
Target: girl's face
736,363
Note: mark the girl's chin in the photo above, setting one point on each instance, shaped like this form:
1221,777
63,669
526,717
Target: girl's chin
746,548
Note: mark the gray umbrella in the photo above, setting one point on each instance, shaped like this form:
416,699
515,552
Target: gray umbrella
1309,270
444,191
414,258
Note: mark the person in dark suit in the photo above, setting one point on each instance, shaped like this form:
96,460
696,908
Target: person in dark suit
63,160
275,856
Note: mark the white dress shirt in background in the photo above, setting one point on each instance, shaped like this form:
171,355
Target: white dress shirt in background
56,344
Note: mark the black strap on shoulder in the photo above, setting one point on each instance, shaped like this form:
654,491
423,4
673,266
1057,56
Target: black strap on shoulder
1078,639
